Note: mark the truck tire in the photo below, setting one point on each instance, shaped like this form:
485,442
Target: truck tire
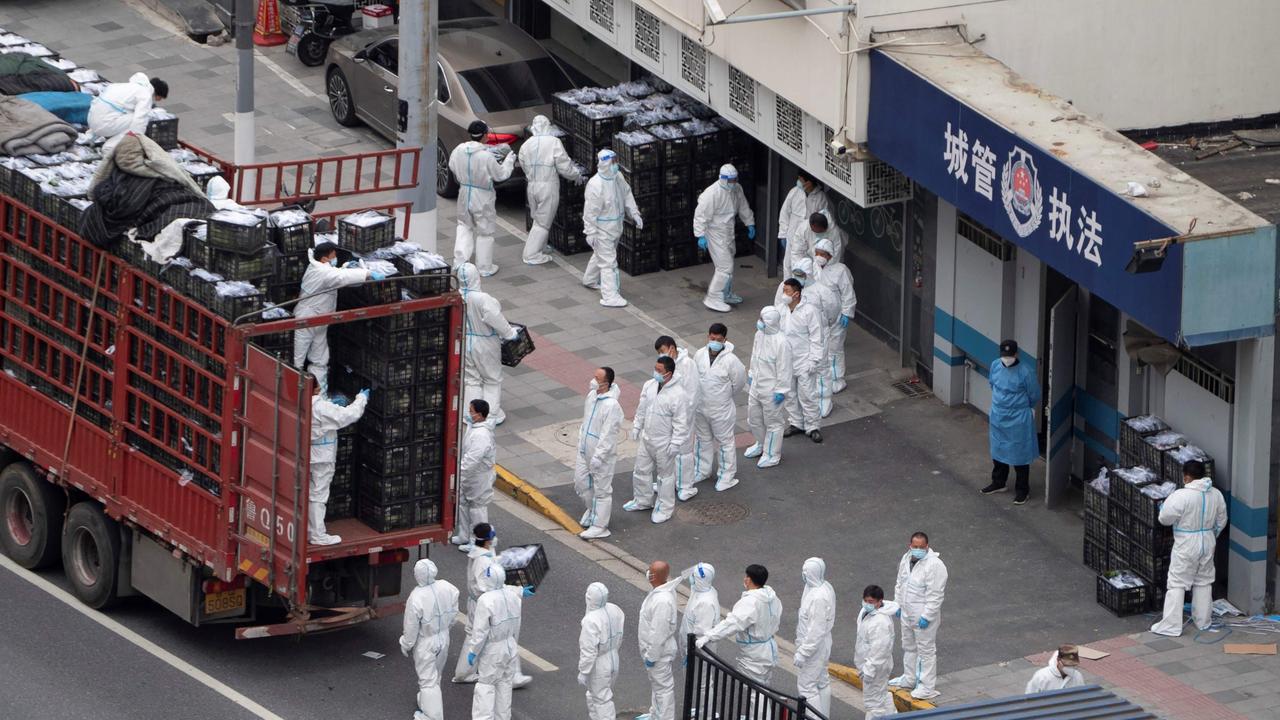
91,554
30,517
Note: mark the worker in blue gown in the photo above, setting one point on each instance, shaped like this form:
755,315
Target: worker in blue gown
1015,391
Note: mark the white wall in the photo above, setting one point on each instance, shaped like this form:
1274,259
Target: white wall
980,294
1130,63
1204,418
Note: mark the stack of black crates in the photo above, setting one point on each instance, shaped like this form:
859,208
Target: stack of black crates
1122,531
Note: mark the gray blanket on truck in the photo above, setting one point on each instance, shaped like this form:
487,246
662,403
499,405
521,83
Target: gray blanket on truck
28,129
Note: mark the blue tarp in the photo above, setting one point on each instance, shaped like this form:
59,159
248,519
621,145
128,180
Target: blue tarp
70,106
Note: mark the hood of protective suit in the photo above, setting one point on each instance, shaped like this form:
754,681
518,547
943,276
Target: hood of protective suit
772,319
1201,485
540,125
802,266
218,189
424,571
701,577
613,391
140,79
814,572
597,596
468,276
826,246
728,171
493,578
1053,664
889,608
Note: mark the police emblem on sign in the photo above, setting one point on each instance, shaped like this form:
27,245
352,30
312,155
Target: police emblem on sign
1021,192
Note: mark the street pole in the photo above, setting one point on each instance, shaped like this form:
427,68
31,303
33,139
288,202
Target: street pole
244,130
419,20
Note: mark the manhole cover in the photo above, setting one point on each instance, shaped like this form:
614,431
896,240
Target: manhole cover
713,513
567,434
912,389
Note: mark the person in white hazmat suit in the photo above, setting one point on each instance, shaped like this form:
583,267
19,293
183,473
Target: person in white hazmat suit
920,590
806,333
873,652
721,377
482,555
598,644
657,636
598,453
815,620
713,226
122,108
663,426
476,473
687,379
701,613
835,275
328,416
768,383
752,622
477,168
486,328
544,161
428,616
1198,514
318,295
606,201
802,201
1059,673
827,299
493,643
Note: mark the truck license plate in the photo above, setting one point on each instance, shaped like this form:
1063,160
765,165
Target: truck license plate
225,601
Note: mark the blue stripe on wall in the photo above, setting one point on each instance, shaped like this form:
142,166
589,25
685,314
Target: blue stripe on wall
981,349
1249,520
1059,443
1098,414
1097,447
952,360
1250,555
1062,411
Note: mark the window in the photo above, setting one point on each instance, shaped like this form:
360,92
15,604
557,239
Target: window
386,55
442,87
513,86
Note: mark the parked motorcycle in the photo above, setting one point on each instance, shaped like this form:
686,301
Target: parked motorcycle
316,24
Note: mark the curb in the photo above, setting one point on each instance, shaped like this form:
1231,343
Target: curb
901,698
532,498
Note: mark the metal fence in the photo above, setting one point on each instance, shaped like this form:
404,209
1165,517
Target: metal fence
715,689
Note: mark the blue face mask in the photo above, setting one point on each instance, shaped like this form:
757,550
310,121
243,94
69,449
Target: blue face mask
658,376
800,185
868,607
919,553
334,262
760,325
715,346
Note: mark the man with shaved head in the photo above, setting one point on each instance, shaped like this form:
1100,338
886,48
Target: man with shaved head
657,633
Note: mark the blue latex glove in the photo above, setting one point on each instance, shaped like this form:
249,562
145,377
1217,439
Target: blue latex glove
684,662
844,321
922,624
471,658
748,379
352,264
783,243
528,591
375,275
702,242
649,664
365,394
751,232
778,398
898,614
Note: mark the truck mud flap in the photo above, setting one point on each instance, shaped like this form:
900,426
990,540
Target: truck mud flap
306,624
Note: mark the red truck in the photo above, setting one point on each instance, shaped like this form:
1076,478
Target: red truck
112,380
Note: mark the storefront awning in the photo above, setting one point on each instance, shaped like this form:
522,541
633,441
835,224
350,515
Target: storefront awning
1055,182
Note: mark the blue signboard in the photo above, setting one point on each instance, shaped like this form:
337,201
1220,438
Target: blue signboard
1022,193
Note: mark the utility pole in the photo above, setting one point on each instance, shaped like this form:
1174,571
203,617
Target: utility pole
419,20
244,125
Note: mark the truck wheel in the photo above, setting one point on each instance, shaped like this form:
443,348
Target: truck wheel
30,517
91,554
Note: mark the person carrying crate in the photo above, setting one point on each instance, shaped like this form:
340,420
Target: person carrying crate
477,168
319,296
544,161
328,416
486,328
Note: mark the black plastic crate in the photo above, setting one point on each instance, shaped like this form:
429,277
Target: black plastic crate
380,489
232,237
599,130
1145,510
1131,438
1154,447
1095,529
674,257
562,110
428,426
513,351
568,240
1095,501
677,230
428,398
533,572
1152,566
386,518
650,209
388,429
194,245
1157,539
394,344
235,266
1122,602
366,238
676,178
1119,519
710,148
428,283
640,260
677,204
430,368
232,308
1171,468
639,157
433,339
391,401
1095,556
387,372
637,238
569,211
297,238
164,132
1118,540
676,151
340,506
1124,493
290,270
644,182
385,459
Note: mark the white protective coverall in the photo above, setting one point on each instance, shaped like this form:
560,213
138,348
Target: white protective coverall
701,613
1198,515
428,616
813,636
477,169
1050,677
327,418
771,373
873,656
827,300
753,621
544,161
806,332
836,276
717,415
321,282
605,202
793,219
476,476
663,425
687,379
478,559
121,108
597,453
713,220
494,638
486,328
919,591
598,645
657,633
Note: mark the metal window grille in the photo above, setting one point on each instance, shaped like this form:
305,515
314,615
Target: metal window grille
648,34
693,63
742,93
790,124
976,233
601,12
884,184
1215,381
838,165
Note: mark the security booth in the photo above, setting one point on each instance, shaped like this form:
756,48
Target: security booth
1130,287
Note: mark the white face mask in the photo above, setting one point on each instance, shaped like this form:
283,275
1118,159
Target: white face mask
1008,361
594,384
822,262
800,185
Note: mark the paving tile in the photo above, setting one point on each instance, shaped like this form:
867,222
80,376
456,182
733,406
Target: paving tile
563,303
1162,644
107,26
1228,696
